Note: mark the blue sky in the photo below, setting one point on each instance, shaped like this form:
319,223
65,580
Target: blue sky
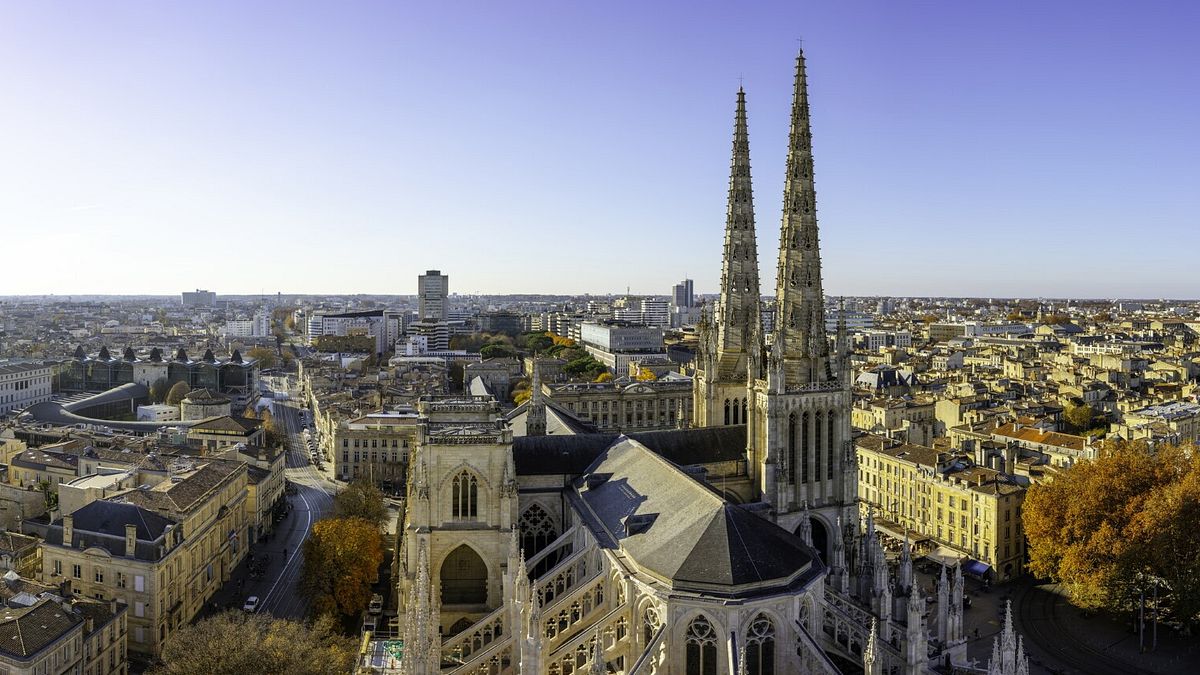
975,148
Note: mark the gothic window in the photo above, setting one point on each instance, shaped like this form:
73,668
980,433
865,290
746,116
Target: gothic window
465,496
818,441
736,405
650,624
803,445
726,412
464,578
537,530
791,445
829,464
701,648
760,647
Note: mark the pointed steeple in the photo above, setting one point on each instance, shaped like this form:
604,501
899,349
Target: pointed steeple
535,418
799,300
739,325
872,664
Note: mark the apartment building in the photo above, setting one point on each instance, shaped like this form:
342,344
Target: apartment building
374,446
23,384
946,498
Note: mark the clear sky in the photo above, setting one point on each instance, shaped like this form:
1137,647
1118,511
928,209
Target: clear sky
962,148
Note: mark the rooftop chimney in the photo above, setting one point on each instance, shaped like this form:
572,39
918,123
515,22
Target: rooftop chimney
68,525
130,539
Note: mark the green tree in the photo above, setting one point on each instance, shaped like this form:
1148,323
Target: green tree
159,389
1106,528
177,393
264,355
234,643
361,499
341,561
497,350
1079,417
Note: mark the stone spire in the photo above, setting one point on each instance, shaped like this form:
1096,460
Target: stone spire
597,657
423,648
535,417
904,574
1008,650
799,300
943,606
916,648
872,664
805,530
739,326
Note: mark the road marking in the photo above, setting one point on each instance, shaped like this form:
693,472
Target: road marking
296,552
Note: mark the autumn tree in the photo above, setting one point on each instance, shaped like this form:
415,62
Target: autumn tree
646,375
361,499
603,377
177,393
1107,529
159,389
341,561
233,643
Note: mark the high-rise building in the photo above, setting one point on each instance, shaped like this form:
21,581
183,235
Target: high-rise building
682,295
433,288
199,298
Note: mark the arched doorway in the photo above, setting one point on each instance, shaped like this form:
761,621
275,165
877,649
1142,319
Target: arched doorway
464,578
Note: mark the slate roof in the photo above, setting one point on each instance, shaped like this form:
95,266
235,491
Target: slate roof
184,490
710,546
239,425
25,632
541,455
102,523
559,420
36,459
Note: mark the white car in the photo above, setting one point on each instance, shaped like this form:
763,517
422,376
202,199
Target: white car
251,605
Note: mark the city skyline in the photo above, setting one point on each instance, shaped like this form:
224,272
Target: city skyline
597,159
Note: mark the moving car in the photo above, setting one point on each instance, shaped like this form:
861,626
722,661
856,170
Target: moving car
251,605
376,605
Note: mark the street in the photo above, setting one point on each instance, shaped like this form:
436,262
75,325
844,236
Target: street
277,587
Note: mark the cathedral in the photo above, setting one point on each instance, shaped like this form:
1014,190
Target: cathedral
533,545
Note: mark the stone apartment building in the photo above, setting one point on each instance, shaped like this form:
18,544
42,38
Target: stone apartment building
947,499
162,550
375,446
52,636
625,406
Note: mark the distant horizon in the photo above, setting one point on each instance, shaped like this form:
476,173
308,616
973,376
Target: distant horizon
994,149
714,294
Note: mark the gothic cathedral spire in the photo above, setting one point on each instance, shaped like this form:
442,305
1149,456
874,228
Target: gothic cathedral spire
739,325
800,351
731,335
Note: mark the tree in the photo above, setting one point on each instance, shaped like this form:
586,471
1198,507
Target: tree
646,375
271,432
159,389
497,350
1079,417
603,377
341,561
1107,529
264,355
233,642
361,499
178,392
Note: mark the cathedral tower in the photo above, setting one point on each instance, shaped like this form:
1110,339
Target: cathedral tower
799,438
731,335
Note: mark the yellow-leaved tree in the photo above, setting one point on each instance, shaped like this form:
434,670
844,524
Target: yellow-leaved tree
341,561
1110,528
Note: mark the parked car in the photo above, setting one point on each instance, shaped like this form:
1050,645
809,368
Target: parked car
251,605
376,605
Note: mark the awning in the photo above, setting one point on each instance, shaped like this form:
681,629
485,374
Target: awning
897,531
944,555
976,568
